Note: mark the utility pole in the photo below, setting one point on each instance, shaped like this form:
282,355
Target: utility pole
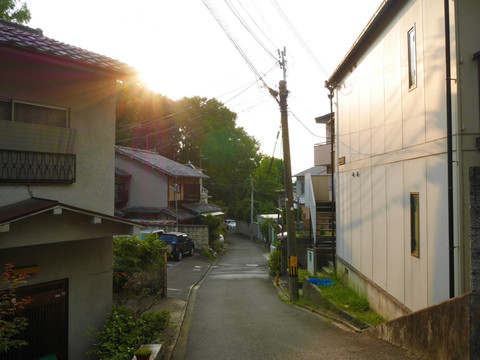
291,238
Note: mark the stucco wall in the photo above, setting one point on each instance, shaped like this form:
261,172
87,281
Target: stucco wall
88,267
148,187
90,97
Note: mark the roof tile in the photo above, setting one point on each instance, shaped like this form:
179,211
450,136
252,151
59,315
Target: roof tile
27,38
151,158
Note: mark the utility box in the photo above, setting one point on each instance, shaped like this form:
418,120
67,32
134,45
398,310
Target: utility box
316,259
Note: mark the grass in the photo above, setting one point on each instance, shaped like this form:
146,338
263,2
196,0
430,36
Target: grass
346,299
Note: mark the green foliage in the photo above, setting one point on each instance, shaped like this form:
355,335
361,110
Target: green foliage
273,262
123,333
265,225
214,224
208,254
15,11
11,324
347,299
138,270
143,352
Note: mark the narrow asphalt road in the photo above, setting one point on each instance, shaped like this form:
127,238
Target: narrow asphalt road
236,313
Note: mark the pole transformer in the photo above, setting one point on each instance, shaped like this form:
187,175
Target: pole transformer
291,238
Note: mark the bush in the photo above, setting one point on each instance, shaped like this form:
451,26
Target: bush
138,270
215,228
123,333
273,262
143,352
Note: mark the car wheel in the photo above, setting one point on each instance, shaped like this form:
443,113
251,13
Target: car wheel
179,256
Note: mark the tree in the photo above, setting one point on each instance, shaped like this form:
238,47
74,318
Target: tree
15,11
11,323
145,120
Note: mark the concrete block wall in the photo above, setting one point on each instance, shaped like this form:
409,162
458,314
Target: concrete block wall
199,234
437,332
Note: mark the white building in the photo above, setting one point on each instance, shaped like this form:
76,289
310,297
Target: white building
392,175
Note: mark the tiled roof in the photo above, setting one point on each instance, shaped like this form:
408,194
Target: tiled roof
151,158
32,40
202,208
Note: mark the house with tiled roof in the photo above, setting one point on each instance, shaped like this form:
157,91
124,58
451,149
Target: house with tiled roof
151,188
57,133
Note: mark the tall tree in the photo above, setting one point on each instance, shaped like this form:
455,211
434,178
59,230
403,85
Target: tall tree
15,11
145,120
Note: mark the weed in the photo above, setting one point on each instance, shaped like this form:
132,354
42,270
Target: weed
347,299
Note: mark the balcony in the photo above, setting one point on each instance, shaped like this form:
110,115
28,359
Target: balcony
28,167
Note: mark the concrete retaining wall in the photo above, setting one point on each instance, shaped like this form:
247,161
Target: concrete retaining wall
438,332
381,301
244,227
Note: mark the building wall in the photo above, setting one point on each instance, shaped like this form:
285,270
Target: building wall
90,97
394,143
87,265
148,187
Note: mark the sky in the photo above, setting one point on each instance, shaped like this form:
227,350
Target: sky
180,50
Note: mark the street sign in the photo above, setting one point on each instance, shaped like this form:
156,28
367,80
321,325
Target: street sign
292,266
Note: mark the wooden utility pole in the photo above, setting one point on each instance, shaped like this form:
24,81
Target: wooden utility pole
291,238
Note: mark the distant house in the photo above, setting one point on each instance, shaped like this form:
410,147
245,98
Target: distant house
57,131
400,240
155,190
313,187
319,180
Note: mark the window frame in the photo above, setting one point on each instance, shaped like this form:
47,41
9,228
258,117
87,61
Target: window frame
415,224
12,103
412,57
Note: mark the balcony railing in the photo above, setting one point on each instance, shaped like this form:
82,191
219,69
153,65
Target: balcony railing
27,167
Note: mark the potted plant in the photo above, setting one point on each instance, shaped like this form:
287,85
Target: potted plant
143,353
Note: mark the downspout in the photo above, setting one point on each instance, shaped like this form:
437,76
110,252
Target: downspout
451,247
332,159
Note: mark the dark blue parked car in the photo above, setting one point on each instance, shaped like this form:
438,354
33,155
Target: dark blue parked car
178,244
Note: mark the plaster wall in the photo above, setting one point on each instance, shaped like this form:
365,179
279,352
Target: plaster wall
90,98
87,265
148,187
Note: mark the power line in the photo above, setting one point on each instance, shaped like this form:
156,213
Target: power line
299,37
249,30
234,42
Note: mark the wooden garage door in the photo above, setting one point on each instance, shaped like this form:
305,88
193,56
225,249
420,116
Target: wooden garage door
47,332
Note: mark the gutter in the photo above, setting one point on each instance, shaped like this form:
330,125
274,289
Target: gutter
451,247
